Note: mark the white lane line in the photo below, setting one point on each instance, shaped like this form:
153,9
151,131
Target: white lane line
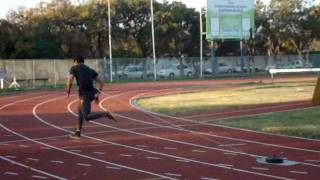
126,155
155,158
100,153
181,160
32,159
31,168
39,177
11,157
57,162
8,135
74,153
212,125
11,173
112,167
4,144
206,178
226,165
172,174
229,145
260,168
198,151
170,148
231,154
158,153
24,146
298,172
84,164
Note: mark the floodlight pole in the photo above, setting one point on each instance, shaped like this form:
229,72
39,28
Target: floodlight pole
153,42
241,56
201,46
110,43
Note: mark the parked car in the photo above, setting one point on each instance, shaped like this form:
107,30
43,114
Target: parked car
133,71
222,68
245,69
173,70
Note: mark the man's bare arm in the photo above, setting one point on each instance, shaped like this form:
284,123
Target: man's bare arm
69,84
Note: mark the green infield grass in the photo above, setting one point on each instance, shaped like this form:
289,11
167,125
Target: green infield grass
302,123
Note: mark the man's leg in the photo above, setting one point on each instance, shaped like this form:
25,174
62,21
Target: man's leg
77,134
86,110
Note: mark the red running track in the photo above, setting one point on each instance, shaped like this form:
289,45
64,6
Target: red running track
34,141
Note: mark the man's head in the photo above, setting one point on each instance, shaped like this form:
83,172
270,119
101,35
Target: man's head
78,59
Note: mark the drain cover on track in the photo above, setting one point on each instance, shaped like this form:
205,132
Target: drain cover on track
276,161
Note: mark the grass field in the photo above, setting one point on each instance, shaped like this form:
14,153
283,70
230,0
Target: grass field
245,95
302,123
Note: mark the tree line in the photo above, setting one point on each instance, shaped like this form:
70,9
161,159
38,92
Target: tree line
62,29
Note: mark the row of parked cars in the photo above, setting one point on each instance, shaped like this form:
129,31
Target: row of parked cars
176,70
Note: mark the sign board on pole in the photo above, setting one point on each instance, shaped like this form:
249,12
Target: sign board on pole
229,19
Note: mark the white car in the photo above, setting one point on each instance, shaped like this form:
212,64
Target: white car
173,70
222,68
133,71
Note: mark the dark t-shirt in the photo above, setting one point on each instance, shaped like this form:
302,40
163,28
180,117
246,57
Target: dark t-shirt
84,76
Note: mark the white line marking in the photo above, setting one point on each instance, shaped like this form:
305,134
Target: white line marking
170,148
100,153
226,165
181,160
31,168
24,146
206,178
199,151
126,155
172,174
4,144
57,162
11,157
83,164
11,173
39,177
298,172
8,135
236,144
259,168
32,159
231,154
155,158
111,167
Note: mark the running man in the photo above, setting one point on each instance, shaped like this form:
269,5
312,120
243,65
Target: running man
85,77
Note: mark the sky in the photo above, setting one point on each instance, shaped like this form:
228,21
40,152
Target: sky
6,5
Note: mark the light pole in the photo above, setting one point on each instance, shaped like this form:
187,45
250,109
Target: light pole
201,46
110,44
153,43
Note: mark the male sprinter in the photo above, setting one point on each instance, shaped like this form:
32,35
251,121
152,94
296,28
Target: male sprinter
87,92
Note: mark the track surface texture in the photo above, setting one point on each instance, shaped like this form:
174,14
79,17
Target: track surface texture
34,142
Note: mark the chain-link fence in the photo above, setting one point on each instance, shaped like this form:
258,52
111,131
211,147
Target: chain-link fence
34,73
